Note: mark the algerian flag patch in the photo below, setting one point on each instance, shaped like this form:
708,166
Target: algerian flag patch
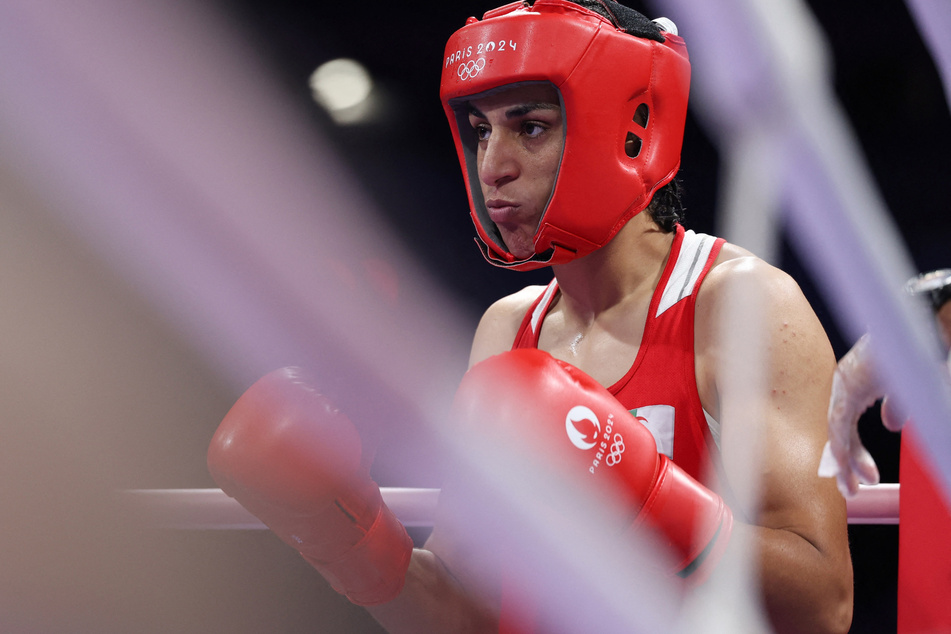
659,420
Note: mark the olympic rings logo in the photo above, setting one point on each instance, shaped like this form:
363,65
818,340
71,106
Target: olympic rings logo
470,69
614,453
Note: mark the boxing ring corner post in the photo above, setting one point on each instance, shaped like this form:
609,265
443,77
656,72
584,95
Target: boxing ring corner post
212,509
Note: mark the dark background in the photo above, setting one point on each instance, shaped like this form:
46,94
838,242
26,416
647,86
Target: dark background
54,577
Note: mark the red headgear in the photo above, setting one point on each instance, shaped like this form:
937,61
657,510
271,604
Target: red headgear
604,76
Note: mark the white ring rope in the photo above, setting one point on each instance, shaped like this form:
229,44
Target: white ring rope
875,505
211,509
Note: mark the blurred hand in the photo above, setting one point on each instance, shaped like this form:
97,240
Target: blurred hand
855,388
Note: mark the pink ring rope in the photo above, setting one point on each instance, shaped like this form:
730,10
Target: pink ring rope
211,509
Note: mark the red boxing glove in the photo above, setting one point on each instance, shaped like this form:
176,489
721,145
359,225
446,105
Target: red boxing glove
576,424
293,460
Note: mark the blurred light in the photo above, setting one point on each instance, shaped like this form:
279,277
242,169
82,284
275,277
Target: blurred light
344,88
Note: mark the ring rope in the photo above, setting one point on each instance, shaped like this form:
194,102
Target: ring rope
212,509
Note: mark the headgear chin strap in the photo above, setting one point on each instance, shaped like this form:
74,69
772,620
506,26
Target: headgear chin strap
624,100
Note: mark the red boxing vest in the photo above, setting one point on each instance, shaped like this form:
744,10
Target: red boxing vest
660,389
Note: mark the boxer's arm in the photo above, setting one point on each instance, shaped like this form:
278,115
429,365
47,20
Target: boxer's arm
800,526
434,600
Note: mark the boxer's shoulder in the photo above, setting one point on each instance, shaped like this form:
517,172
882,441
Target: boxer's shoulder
736,271
500,323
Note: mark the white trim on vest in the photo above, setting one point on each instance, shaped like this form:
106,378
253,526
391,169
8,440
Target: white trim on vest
539,311
694,251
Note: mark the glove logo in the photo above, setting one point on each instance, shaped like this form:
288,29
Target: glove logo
614,453
579,415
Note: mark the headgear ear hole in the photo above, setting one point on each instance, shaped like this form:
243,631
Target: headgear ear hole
632,145
641,115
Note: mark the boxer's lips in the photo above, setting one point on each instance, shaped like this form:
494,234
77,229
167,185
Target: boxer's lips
503,211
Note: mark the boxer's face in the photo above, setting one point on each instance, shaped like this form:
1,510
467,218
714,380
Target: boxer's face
521,138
